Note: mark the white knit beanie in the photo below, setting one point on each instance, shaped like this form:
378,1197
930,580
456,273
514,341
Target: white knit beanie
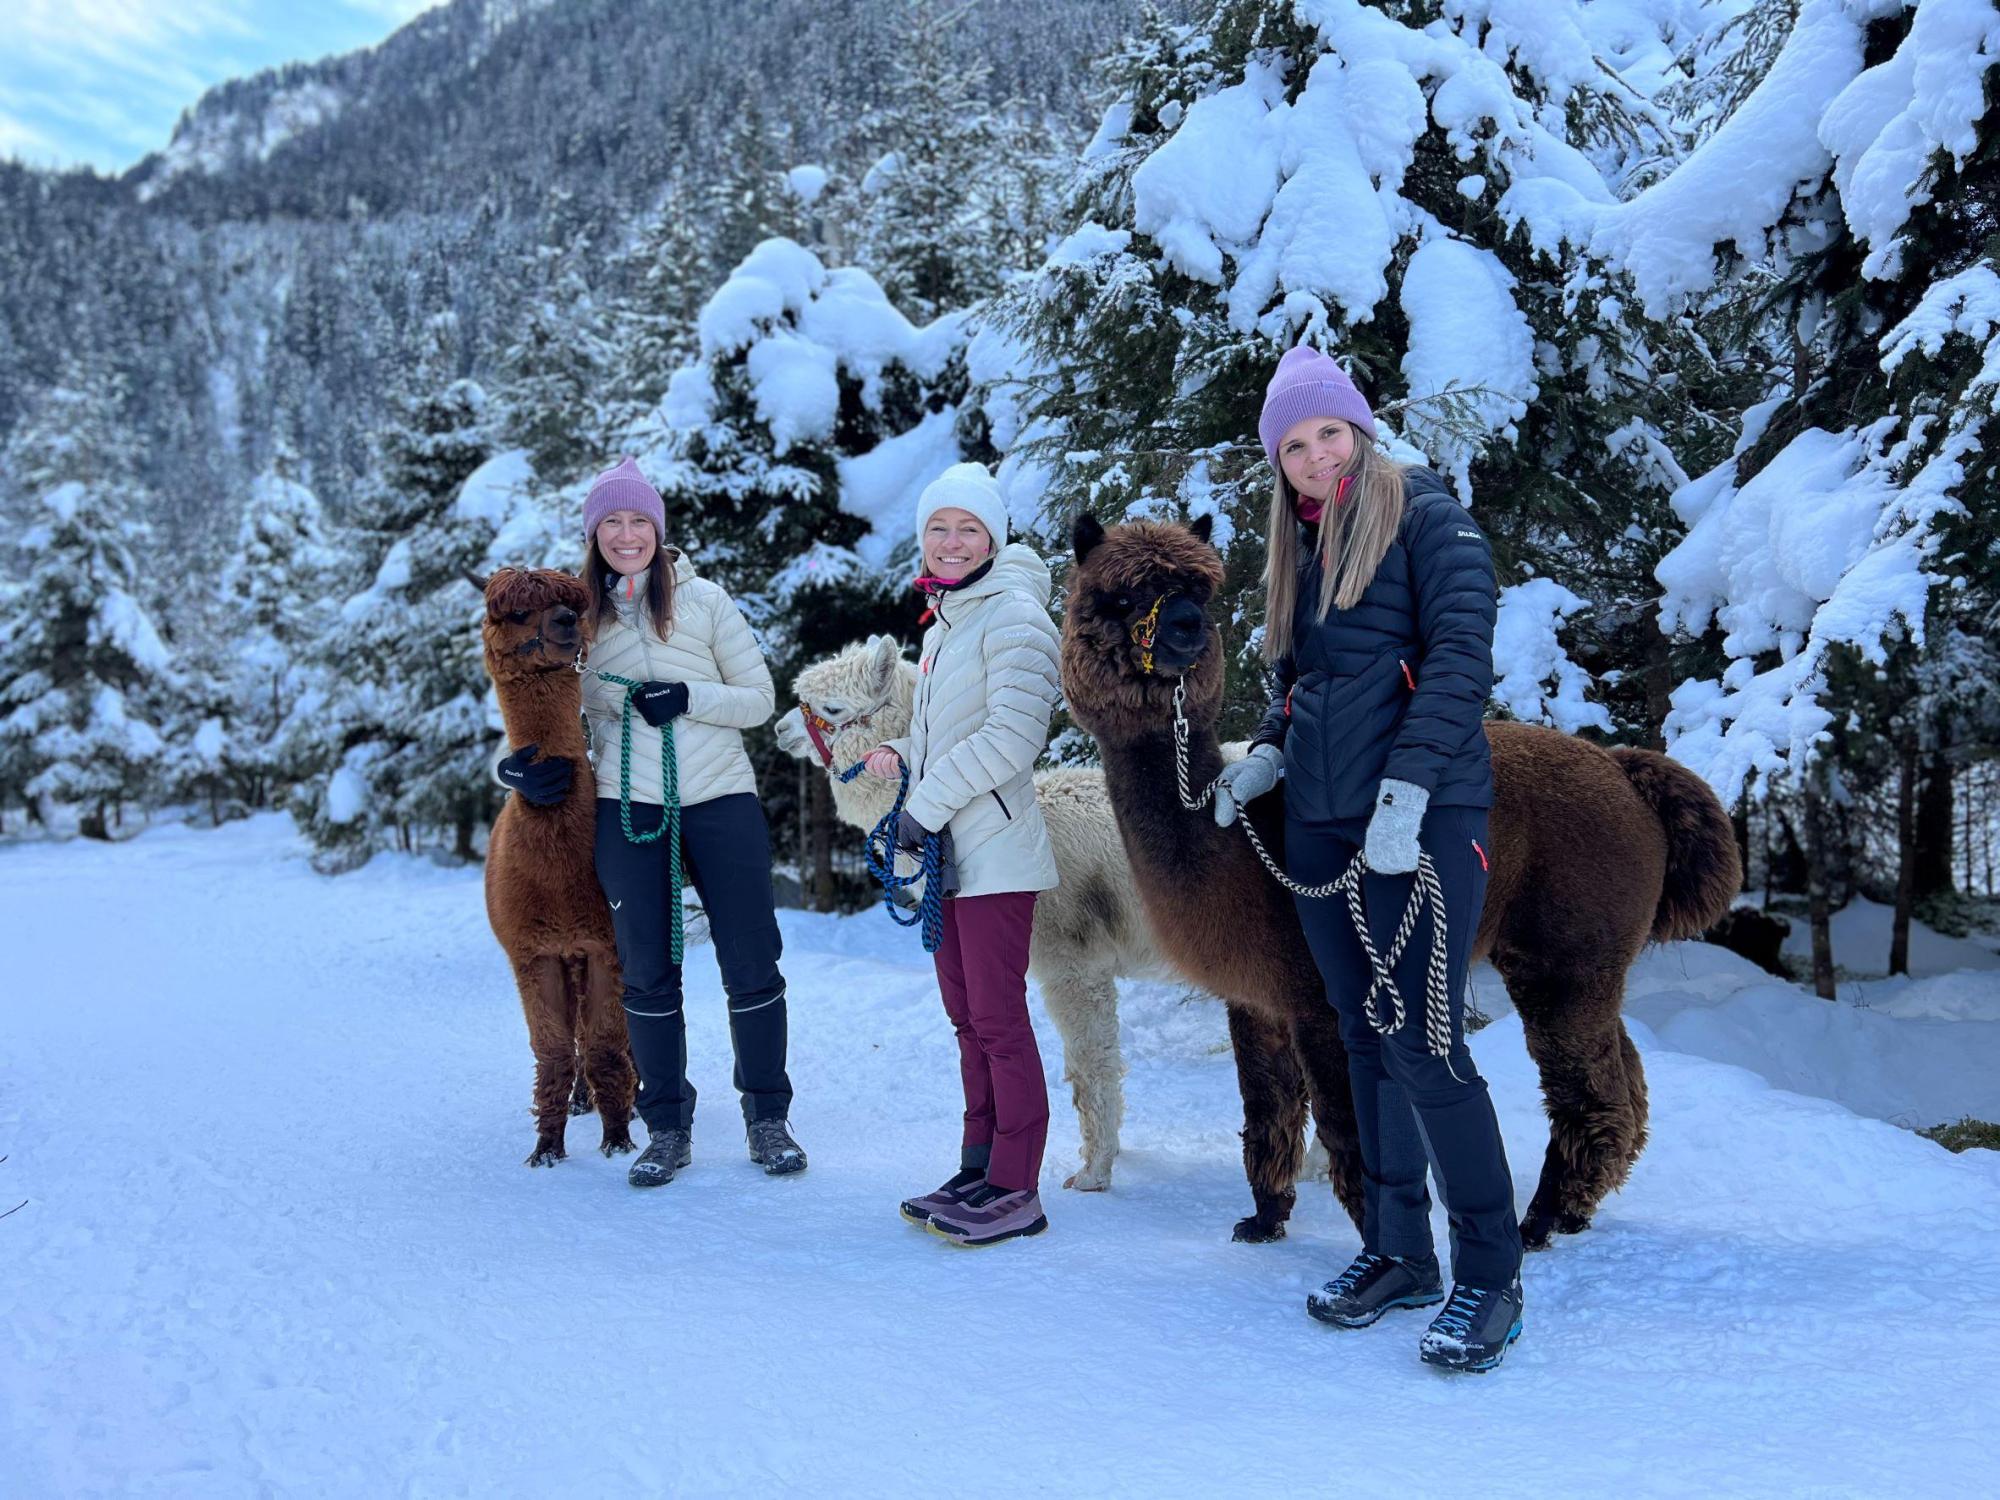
967,487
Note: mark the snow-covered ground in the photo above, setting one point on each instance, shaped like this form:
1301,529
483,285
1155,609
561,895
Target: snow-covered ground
277,1239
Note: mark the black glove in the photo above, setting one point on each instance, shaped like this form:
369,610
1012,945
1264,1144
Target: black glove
544,784
910,836
661,702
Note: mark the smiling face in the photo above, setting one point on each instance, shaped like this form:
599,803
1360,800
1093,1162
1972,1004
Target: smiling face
954,544
533,621
626,541
1313,453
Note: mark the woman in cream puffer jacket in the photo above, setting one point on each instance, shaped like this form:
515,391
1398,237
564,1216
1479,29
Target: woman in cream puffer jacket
655,622
987,682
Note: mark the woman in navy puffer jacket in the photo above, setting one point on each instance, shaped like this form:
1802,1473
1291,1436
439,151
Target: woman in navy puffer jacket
1380,631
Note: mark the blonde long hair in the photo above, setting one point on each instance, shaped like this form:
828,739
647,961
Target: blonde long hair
1352,540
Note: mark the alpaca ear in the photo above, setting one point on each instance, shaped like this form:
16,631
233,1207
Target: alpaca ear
475,580
1202,526
1085,535
886,652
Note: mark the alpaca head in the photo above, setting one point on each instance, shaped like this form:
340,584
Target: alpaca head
855,701
1136,626
533,624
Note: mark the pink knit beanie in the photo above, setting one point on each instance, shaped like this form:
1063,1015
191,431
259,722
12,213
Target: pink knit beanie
623,488
1309,384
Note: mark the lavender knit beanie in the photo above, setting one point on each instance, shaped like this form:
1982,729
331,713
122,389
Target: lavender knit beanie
1309,384
623,488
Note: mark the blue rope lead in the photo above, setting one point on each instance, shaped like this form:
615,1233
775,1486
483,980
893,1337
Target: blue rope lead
882,865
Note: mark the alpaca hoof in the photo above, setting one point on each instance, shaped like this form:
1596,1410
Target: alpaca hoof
546,1154
618,1145
1086,1180
1255,1231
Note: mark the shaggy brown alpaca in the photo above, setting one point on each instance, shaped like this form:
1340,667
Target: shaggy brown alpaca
542,895
1595,853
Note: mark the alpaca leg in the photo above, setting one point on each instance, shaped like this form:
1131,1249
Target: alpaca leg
573,976
1635,1089
607,1053
545,1002
1083,1002
1274,1121
1316,1036
1577,1040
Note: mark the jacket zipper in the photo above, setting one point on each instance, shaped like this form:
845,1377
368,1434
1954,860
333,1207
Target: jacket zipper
1003,805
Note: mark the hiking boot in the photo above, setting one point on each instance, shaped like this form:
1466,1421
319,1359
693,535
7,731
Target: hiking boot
1475,1328
989,1215
773,1149
667,1151
1372,1285
953,1193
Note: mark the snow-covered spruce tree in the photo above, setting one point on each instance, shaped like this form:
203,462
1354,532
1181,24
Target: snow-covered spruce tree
393,721
554,369
791,454
667,274
925,207
83,663
82,666
748,198
276,610
1374,180
1842,551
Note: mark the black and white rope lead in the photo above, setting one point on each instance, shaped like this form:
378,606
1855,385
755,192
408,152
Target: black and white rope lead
1426,892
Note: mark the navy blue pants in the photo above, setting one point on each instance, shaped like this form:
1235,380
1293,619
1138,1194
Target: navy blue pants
1414,1109
726,852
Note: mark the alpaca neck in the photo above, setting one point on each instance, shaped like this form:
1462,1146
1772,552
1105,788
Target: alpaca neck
545,710
1139,771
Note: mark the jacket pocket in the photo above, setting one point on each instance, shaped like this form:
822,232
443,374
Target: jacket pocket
1003,804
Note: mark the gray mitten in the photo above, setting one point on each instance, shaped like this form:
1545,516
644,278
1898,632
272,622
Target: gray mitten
1245,781
1392,832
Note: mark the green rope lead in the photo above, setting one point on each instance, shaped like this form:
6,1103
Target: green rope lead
670,806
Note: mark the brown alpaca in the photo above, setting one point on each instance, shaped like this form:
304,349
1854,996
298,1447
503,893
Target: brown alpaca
542,895
1595,853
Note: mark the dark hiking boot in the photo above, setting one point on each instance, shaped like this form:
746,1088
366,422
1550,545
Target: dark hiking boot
1475,1328
773,1149
953,1193
1374,1284
667,1151
989,1215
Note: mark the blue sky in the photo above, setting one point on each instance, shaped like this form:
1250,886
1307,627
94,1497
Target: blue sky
101,82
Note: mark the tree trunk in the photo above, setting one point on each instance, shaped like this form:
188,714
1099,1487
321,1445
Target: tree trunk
820,825
1818,908
1934,874
464,849
1659,680
1906,853
92,824
807,896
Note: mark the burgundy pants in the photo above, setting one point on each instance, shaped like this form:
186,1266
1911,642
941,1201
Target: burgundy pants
982,969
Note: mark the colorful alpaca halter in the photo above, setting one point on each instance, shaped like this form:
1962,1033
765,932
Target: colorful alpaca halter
821,729
882,863
670,805
1145,631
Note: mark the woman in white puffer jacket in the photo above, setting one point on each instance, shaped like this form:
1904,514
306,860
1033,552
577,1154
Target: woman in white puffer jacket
987,682
654,621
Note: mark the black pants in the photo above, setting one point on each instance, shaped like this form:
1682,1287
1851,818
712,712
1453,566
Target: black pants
726,852
1413,1108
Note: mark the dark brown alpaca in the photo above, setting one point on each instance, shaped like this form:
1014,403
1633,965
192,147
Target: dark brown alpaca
1595,854
542,895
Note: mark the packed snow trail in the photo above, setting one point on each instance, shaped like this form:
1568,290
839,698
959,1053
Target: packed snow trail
278,1240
